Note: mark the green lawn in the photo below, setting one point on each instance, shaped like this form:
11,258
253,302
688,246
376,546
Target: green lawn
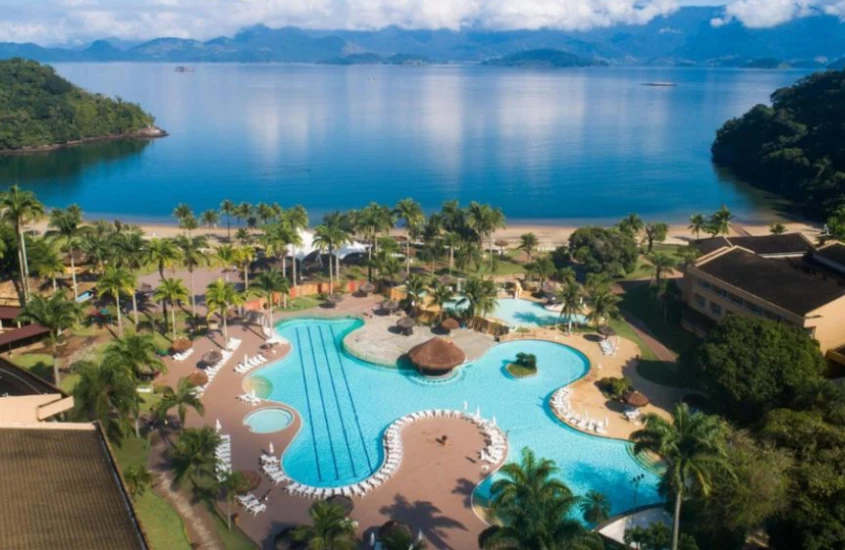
639,302
661,372
300,304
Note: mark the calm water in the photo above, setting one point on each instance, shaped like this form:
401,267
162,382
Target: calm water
346,404
543,145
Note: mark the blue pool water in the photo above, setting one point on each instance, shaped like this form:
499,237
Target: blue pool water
346,404
523,313
265,421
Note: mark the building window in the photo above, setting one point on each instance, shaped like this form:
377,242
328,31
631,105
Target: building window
811,331
700,300
703,284
736,299
715,308
753,308
720,291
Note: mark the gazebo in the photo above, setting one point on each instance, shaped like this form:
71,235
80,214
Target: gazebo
635,399
406,325
436,357
450,324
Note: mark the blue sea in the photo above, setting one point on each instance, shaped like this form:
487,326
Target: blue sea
544,145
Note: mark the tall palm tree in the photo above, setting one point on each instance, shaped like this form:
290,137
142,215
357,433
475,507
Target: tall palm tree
331,529
225,257
416,287
105,393
441,296
697,223
721,220
387,265
195,453
46,262
227,208
244,256
692,444
233,484
400,539
480,295
324,241
662,264
114,282
595,508
210,218
485,220
631,224
528,244
193,255
66,226
242,211
535,509
137,352
542,267
411,213
220,297
452,240
571,296
182,212
603,306
171,291
126,245
267,284
163,254
181,398
56,313
21,208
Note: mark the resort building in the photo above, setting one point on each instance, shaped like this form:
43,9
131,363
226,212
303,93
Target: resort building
779,277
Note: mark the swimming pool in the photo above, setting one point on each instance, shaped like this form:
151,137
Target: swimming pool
346,404
269,420
523,313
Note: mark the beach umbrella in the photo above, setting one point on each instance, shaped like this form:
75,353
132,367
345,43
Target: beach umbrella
343,501
635,399
390,305
372,540
180,345
218,426
607,331
272,451
449,324
367,288
212,357
334,299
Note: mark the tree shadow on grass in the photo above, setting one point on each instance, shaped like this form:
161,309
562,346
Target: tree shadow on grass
422,515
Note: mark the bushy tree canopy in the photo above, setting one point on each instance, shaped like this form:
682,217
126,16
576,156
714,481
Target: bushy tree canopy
601,250
751,366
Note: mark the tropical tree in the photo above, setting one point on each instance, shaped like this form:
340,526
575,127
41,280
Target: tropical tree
603,306
244,256
416,287
181,398
631,225
56,313
441,296
114,282
662,264
66,226
107,393
163,254
136,352
401,539
372,220
721,220
480,296
452,241
411,213
777,229
485,220
227,208
535,509
387,265
595,508
697,224
331,529
210,218
138,479
655,233
528,244
220,297
233,484
182,211
571,296
226,258
20,208
193,255
328,237
195,454
171,291
692,445
267,284
46,262
543,268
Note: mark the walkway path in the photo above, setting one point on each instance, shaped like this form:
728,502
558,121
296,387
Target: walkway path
659,350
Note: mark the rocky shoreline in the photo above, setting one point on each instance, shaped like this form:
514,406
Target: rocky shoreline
152,132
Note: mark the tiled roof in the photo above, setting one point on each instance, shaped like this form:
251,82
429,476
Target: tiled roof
765,245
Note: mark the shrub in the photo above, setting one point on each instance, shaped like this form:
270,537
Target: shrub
615,387
527,360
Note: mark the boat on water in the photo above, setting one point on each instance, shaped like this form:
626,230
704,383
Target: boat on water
183,69
660,84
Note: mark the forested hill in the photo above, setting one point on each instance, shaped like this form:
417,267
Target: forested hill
40,109
544,58
796,147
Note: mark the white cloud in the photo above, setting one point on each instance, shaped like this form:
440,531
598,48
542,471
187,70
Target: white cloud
769,13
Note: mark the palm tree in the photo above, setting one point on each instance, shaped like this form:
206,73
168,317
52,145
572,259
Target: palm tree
331,529
181,398
655,233
105,393
697,223
388,266
595,508
604,306
452,240
194,255
631,224
267,284
56,313
480,295
410,212
67,226
441,296
171,291
692,445
233,484
210,218
227,208
543,268
21,208
244,255
571,296
662,264
137,479
45,261
195,453
225,257
777,229
189,223
485,220
114,282
401,539
416,286
220,296
182,212
528,243
264,212
721,220
325,238
535,509
162,253
137,352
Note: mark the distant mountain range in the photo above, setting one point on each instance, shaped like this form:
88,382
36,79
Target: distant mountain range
685,37
543,58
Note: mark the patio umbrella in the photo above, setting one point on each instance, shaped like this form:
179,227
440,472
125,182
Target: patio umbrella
343,501
334,299
212,357
181,345
450,324
635,399
390,305
436,356
272,451
145,288
218,426
501,243
406,323
550,288
367,288
198,378
607,331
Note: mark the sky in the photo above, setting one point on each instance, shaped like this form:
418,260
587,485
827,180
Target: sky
50,22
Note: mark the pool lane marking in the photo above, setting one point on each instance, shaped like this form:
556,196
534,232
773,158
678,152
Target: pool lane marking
337,401
351,400
308,400
323,404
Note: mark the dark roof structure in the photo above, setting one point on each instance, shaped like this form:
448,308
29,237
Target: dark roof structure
27,334
15,382
788,244
9,313
436,356
771,280
833,253
62,489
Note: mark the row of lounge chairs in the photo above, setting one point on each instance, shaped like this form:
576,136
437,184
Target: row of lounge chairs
273,470
251,503
184,355
249,399
250,363
272,337
213,370
224,456
563,408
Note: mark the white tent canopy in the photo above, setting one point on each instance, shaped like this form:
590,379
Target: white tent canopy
308,248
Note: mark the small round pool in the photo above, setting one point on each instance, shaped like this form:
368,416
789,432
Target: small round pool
265,421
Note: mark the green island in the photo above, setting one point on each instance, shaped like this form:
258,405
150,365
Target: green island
40,110
544,58
524,366
794,147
